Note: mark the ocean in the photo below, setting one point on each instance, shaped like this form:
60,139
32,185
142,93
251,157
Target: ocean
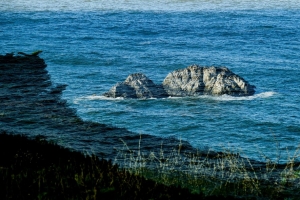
90,45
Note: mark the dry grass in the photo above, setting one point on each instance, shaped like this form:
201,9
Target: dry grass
37,169
216,173
41,170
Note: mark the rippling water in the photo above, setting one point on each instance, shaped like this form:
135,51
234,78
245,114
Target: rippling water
91,45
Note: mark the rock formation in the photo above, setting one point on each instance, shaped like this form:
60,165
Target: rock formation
31,104
195,80
191,81
137,86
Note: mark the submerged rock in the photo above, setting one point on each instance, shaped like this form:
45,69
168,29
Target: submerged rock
191,81
195,80
136,86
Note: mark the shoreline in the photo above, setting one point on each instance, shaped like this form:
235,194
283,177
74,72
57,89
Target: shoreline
37,169
30,104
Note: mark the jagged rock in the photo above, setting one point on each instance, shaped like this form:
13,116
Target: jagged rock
195,80
31,104
191,81
136,86
121,90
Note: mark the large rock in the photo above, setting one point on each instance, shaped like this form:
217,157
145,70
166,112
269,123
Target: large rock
136,86
191,81
195,80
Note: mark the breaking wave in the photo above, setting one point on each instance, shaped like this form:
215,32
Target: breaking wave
218,98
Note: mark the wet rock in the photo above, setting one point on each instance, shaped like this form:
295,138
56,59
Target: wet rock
195,80
136,86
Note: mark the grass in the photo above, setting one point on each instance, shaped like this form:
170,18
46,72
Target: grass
216,173
37,169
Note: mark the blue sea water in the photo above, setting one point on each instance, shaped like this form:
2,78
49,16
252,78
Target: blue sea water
91,45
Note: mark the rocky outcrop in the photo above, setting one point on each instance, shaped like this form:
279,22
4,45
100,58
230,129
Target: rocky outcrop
195,80
137,86
31,104
191,81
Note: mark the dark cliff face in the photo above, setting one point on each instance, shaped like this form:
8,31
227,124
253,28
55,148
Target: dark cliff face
29,100
31,104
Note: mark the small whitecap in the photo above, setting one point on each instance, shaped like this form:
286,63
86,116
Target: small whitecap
245,98
152,98
145,43
170,97
96,97
266,94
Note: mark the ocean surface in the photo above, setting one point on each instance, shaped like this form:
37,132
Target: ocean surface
90,45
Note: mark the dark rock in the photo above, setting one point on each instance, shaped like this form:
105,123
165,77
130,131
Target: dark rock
195,80
30,104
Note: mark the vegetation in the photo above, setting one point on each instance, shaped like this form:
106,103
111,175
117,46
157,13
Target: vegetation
37,169
216,173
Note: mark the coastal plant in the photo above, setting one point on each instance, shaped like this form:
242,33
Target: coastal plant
38,169
213,173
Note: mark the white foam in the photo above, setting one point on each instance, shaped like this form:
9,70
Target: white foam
245,98
100,97
218,98
170,97
96,97
231,98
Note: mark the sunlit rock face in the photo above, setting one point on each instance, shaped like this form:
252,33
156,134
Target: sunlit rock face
136,86
191,81
195,80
